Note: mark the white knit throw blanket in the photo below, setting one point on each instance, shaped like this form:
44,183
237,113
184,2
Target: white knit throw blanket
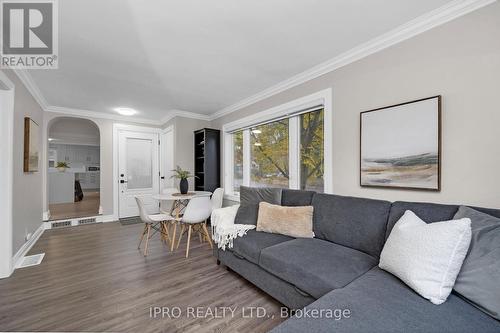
224,231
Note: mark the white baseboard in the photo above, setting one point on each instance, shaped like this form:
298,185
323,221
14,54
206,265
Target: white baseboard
74,221
108,218
46,215
18,257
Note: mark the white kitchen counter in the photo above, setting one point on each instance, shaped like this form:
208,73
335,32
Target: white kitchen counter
61,187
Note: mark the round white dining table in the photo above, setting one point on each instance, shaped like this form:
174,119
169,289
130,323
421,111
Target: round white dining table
180,203
177,196
180,200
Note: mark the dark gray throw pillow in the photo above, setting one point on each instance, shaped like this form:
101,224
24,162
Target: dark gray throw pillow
478,280
249,202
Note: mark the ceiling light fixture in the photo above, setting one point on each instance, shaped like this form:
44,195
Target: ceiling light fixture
256,131
125,111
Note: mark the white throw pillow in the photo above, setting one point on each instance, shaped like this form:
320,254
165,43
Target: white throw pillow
427,257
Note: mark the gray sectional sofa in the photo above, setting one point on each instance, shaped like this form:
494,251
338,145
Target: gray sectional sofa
338,269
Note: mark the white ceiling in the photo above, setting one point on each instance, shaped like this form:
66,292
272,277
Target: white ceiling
202,56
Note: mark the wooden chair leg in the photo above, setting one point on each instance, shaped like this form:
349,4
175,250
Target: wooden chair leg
180,236
173,237
147,240
166,234
142,236
208,235
162,236
189,238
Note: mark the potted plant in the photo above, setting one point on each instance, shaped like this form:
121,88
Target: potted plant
62,166
183,175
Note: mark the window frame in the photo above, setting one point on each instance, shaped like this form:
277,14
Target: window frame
292,110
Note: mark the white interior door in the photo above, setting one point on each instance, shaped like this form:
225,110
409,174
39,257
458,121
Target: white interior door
167,158
138,173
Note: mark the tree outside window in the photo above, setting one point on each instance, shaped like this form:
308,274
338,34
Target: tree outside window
238,160
269,153
312,151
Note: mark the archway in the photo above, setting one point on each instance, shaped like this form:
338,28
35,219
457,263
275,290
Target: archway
73,162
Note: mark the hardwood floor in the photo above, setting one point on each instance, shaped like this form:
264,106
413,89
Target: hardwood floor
93,278
89,206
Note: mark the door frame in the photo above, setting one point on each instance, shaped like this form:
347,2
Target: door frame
6,178
116,129
169,129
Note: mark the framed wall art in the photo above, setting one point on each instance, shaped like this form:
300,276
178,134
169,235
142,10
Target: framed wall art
401,145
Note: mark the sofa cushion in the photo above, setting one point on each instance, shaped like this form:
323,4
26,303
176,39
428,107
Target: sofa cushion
250,197
379,302
250,245
285,220
315,266
353,222
429,212
489,211
296,197
427,256
480,274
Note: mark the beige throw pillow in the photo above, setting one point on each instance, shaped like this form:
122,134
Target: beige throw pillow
289,221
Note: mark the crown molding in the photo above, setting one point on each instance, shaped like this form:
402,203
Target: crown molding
32,87
185,114
423,23
100,115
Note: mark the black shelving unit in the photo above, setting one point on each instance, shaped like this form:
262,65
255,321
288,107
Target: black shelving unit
207,159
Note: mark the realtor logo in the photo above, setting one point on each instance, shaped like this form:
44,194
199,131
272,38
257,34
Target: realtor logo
29,34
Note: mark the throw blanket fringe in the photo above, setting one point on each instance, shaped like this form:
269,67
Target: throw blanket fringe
224,231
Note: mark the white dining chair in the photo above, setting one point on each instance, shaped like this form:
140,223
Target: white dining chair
195,216
217,198
167,206
157,222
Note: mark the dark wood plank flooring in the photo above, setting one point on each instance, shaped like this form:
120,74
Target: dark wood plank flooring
93,278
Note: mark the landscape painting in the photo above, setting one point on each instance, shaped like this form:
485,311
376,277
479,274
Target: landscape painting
401,145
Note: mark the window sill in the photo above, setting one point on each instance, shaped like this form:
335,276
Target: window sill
232,197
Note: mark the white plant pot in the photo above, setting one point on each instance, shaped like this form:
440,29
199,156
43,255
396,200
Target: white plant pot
61,169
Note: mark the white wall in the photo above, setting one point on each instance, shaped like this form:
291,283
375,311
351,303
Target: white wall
460,61
27,191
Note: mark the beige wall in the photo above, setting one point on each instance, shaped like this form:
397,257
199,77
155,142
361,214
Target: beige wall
184,142
27,190
460,61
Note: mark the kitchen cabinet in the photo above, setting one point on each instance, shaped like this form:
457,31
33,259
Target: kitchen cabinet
84,155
